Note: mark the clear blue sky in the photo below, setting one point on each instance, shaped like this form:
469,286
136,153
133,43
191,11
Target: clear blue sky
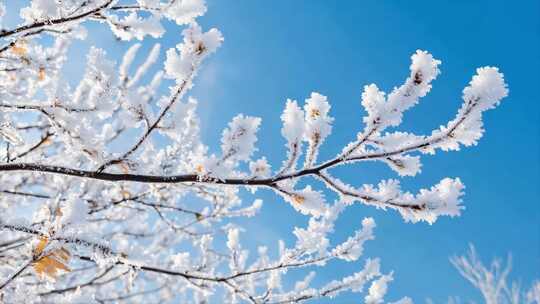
282,49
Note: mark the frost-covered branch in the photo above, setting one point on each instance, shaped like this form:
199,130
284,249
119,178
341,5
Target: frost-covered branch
484,92
493,282
108,190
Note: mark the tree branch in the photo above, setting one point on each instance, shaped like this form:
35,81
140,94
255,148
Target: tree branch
45,23
15,274
141,140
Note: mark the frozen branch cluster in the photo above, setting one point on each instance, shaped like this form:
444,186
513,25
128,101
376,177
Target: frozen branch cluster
493,281
111,176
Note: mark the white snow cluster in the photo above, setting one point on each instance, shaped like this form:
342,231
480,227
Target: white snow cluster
307,201
196,46
293,122
442,199
39,10
238,140
484,92
388,111
123,21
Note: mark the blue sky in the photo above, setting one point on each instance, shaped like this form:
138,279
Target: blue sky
282,49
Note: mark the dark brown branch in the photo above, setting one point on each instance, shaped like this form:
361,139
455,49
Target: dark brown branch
104,249
160,270
194,276
11,242
75,287
141,178
45,23
28,194
132,8
367,198
15,275
151,128
20,242
43,140
31,107
269,182
194,178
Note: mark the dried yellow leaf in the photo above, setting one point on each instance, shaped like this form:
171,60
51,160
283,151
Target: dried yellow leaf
47,141
125,193
50,266
43,240
53,263
298,198
19,49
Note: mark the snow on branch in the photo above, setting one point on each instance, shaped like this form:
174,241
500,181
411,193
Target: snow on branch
122,200
493,280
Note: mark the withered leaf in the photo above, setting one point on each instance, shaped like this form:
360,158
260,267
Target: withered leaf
53,263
